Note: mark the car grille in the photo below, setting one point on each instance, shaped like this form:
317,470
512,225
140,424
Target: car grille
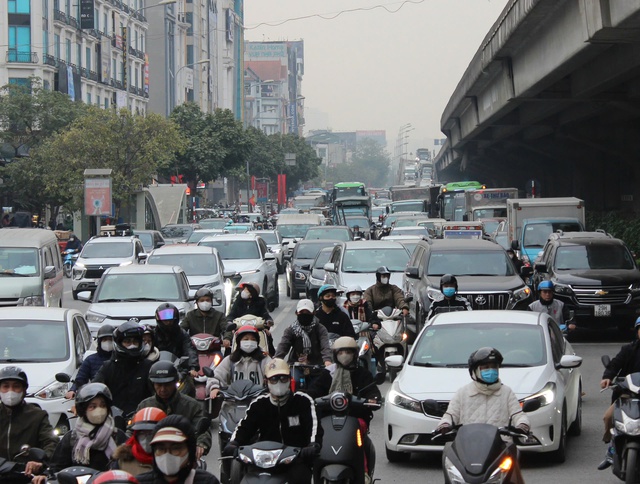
601,295
8,302
488,300
95,272
442,408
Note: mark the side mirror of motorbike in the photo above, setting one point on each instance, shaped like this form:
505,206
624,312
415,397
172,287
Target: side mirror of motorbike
36,454
394,361
606,359
207,371
120,422
379,378
408,297
75,474
62,378
531,405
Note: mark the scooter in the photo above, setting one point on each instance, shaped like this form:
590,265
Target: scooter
625,434
391,338
70,258
209,352
365,357
342,456
258,323
12,472
266,462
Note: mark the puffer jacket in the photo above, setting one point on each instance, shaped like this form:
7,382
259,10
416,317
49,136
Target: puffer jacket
480,403
556,310
63,456
381,295
124,460
25,424
177,341
90,367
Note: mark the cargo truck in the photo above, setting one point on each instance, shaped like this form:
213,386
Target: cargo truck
488,203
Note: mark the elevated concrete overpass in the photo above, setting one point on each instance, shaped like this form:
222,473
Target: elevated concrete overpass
552,96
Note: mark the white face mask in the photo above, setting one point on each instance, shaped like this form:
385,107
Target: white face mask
106,346
145,442
132,346
384,280
355,298
248,345
11,399
204,306
345,359
279,389
97,416
170,464
245,295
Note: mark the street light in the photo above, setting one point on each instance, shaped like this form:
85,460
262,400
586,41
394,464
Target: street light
127,66
201,61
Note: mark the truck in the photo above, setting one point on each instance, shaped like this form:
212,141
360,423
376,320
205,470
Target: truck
530,222
409,193
488,203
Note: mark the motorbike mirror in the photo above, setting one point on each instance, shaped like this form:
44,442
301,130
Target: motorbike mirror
207,371
408,297
76,474
62,378
36,454
379,378
120,422
394,361
605,360
531,405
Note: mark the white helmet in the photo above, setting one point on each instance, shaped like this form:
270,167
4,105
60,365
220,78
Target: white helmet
354,288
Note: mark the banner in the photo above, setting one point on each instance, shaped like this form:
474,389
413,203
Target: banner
97,196
282,189
87,19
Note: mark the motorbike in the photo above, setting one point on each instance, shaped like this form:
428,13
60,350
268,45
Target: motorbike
365,354
70,258
209,349
625,434
258,323
266,462
73,475
342,456
390,339
302,375
12,472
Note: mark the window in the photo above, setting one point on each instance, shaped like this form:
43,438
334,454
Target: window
88,57
21,81
79,55
105,24
189,18
88,98
68,51
56,40
19,6
189,55
96,17
106,103
45,9
98,101
45,42
19,43
114,72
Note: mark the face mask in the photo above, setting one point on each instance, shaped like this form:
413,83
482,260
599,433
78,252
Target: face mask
145,442
245,295
97,416
330,303
132,346
11,399
489,375
279,389
384,280
106,346
170,464
204,306
345,359
449,291
305,319
355,299
248,346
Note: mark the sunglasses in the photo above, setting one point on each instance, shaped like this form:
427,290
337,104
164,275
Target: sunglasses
278,379
166,315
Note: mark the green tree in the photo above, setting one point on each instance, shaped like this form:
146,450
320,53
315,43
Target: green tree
370,165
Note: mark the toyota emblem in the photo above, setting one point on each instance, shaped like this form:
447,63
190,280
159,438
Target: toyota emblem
480,300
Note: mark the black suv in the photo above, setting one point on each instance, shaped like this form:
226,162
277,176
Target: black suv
593,274
486,276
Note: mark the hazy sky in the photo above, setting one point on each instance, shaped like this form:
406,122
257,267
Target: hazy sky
377,70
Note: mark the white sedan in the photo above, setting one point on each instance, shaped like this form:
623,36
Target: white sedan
539,363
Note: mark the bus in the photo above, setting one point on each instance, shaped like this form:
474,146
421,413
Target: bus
452,200
348,189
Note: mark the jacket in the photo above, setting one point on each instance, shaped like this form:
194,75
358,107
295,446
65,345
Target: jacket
470,404
336,322
25,424
381,295
63,455
455,302
556,310
320,347
90,367
295,423
212,322
181,404
200,477
124,460
627,361
178,342
128,381
242,307
354,311
246,368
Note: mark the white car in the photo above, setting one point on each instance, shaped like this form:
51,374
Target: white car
539,363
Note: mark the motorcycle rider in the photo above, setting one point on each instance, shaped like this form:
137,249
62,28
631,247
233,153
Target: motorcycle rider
164,376
249,301
449,289
359,308
74,243
282,416
126,373
382,293
148,343
247,362
205,319
357,232
92,363
548,304
172,338
334,319
22,423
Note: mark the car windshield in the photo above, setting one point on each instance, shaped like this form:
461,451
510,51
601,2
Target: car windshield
217,223
146,239
23,262
481,213
361,222
324,233
450,345
368,260
291,231
322,258
107,250
19,338
176,231
470,263
407,206
410,231
132,287
193,264
308,251
490,226
234,249
407,222
238,228
503,240
536,235
197,236
269,237
410,246
594,257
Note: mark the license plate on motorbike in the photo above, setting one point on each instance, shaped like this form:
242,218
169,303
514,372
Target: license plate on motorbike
602,310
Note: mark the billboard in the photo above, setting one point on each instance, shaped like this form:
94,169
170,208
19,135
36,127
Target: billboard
97,196
265,50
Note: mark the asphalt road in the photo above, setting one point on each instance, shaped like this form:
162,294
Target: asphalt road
584,452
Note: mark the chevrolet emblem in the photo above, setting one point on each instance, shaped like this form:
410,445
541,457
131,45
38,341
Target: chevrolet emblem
601,293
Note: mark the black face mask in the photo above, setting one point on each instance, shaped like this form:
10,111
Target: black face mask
305,319
546,303
330,303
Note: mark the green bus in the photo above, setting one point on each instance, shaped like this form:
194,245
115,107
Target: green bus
452,200
348,189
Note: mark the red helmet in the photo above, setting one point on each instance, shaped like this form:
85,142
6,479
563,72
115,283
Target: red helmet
147,418
247,329
113,477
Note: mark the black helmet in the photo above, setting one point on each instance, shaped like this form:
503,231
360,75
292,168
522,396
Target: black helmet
14,373
128,330
448,279
167,312
484,356
163,372
90,391
105,331
382,270
204,292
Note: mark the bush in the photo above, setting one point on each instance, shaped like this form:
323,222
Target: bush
621,226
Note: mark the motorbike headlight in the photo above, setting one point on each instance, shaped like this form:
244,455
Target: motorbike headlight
498,476
452,472
546,396
395,397
562,289
521,294
629,426
434,294
54,390
266,459
96,318
33,301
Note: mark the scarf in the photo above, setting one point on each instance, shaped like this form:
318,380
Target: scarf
92,437
356,310
303,332
139,453
341,381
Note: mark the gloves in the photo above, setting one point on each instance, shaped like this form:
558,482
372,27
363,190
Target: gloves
309,452
523,428
441,429
230,450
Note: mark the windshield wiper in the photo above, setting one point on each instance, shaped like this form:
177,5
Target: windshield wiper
430,365
143,299
456,365
15,274
110,300
515,365
13,360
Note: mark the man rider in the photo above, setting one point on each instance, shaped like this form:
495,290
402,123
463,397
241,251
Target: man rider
172,338
548,304
22,423
357,232
281,416
383,294
164,377
449,290
334,319
205,319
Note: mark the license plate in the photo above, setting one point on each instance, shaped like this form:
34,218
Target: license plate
602,310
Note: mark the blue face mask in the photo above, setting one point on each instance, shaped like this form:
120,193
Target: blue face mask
449,291
489,375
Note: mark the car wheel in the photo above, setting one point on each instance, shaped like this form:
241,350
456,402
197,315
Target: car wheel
560,455
288,288
576,427
393,456
74,294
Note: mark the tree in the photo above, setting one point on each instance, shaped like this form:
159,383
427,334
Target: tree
370,165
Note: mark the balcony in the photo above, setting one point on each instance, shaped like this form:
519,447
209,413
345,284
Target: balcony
94,33
73,22
119,84
19,57
93,75
50,60
84,72
60,16
139,54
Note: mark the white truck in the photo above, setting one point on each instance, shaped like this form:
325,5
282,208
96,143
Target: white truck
488,203
530,222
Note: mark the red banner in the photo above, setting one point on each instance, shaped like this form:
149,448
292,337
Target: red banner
282,189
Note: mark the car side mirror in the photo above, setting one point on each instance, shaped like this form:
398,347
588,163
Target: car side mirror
394,361
49,272
531,405
526,271
569,361
269,256
515,245
85,296
330,267
540,267
606,359
142,256
62,378
412,272
159,244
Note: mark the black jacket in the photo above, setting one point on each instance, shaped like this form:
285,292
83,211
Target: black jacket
456,301
336,322
90,367
128,380
242,307
627,361
63,456
178,342
25,424
212,322
154,477
295,423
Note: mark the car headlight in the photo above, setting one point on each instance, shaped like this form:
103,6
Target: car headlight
546,396
300,276
562,289
434,294
54,390
33,301
394,397
217,295
96,318
628,425
78,271
521,294
452,472
126,263
79,265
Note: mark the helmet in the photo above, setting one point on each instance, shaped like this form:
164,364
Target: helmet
252,287
163,372
90,391
344,343
277,366
148,329
168,312
204,292
128,330
247,329
637,325
545,286
484,356
354,288
147,418
382,270
113,477
448,279
326,288
105,331
14,373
